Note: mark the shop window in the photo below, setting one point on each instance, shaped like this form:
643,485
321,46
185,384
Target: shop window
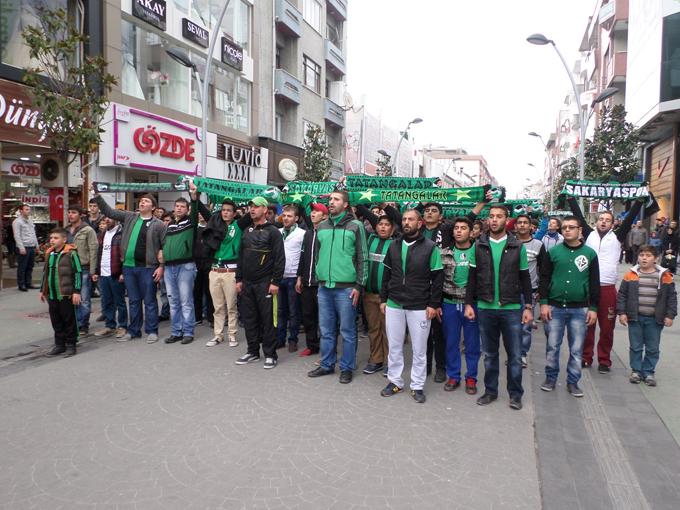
312,74
236,21
16,15
670,66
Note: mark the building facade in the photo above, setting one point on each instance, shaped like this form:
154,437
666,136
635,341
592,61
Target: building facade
454,167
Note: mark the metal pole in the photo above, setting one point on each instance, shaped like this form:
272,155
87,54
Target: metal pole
204,94
396,153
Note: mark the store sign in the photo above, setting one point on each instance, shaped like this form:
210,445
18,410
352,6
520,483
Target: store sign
19,123
232,54
36,200
20,168
242,162
145,140
194,33
151,11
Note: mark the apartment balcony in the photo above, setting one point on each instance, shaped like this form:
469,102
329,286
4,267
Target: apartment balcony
335,59
288,19
337,9
334,114
288,87
616,68
620,15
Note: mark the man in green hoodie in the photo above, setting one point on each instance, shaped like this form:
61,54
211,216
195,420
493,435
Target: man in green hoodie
341,268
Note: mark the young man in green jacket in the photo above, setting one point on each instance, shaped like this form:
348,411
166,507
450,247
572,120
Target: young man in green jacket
341,268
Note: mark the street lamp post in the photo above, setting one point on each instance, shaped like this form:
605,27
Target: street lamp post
181,56
417,120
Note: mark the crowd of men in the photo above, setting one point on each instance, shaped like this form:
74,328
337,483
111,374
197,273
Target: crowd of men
458,287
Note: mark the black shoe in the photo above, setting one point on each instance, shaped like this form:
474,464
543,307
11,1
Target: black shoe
439,375
345,376
83,333
515,403
31,287
70,351
319,371
172,339
603,369
418,396
247,358
574,390
451,384
548,385
56,350
198,322
23,289
101,318
389,390
372,368
162,318
585,364
187,340
486,399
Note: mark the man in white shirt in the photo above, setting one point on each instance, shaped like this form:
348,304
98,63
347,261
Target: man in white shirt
289,301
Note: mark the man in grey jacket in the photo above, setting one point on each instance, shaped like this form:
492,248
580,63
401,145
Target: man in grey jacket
142,263
27,242
83,236
637,236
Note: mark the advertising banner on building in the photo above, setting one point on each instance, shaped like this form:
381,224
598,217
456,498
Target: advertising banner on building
19,122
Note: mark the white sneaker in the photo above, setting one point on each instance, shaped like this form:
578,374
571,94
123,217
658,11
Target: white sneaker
269,363
121,332
214,341
233,342
152,338
125,338
524,362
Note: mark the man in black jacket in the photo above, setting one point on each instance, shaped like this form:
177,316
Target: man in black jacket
260,268
410,295
496,282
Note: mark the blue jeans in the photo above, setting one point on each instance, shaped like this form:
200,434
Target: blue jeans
453,321
336,304
289,312
575,321
179,282
493,323
141,287
25,268
644,334
113,300
85,306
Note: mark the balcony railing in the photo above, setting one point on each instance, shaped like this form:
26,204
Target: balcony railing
337,9
288,87
334,58
616,68
334,114
288,18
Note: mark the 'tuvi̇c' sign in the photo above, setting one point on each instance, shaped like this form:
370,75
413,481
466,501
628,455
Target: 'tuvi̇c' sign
151,11
145,140
232,54
242,162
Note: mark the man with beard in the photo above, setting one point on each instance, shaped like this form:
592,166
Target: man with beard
409,298
497,282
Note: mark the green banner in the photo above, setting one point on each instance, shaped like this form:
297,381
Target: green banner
606,190
313,188
363,182
378,196
218,189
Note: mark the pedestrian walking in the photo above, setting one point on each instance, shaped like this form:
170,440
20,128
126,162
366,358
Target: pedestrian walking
84,238
638,236
26,243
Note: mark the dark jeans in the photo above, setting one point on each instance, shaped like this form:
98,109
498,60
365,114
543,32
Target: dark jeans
309,305
257,312
25,268
113,302
202,291
64,323
436,346
644,336
493,323
141,287
289,312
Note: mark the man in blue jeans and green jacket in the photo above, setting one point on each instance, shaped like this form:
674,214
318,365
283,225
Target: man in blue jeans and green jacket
341,268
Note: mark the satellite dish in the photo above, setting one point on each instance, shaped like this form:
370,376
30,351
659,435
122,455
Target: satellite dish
349,102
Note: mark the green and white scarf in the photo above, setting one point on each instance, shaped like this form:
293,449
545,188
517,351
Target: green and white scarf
606,190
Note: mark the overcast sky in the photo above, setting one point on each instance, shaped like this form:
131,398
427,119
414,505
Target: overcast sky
465,67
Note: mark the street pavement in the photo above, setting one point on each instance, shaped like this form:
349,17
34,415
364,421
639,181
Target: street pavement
137,426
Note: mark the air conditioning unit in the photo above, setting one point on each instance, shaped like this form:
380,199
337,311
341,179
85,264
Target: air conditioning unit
54,173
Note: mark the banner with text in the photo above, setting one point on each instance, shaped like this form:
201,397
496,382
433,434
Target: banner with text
606,190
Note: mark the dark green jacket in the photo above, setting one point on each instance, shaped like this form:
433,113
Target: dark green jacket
377,249
61,277
570,277
342,257
178,239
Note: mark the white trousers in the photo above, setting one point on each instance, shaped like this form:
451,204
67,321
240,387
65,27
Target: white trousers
396,322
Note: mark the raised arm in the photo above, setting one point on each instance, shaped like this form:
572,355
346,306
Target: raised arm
364,213
627,222
576,211
112,213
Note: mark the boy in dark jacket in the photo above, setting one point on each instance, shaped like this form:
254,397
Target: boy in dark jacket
61,284
646,302
109,273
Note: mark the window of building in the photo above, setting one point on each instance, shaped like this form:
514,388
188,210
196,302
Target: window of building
311,12
312,72
334,32
670,59
278,127
16,15
236,21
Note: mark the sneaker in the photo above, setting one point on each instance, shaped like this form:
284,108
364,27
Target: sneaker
345,376
390,389
603,369
248,358
635,378
103,332
486,399
56,350
216,340
470,386
586,364
320,371
524,362
650,381
151,338
120,333
233,342
269,363
171,339
574,390
83,333
125,338
515,403
198,322
451,384
372,368
439,375
292,346
418,396
305,352
548,385
70,351
187,340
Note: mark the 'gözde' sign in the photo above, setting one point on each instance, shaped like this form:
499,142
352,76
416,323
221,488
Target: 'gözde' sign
193,32
232,54
151,11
